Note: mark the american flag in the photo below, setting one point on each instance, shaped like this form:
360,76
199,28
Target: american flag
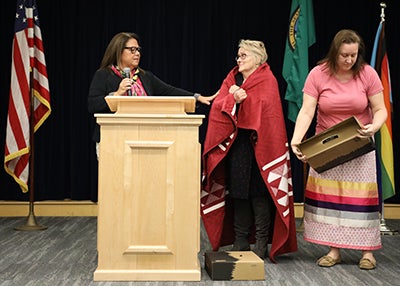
27,57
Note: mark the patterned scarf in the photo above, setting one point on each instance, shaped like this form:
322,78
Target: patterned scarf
137,87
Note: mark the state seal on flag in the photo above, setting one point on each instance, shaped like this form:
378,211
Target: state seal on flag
293,29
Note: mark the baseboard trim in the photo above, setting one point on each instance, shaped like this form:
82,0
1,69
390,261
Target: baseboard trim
89,208
49,208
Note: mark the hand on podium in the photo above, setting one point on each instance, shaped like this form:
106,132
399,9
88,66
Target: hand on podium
207,99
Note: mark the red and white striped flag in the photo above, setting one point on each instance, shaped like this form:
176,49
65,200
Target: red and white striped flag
27,56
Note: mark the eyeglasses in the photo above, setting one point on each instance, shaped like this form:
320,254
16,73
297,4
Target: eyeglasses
133,49
241,56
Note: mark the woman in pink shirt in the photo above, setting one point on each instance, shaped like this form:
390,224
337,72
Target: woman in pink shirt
341,208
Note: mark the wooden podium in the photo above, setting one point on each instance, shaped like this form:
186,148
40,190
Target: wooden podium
149,190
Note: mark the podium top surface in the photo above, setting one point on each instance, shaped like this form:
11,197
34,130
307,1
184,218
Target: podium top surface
151,104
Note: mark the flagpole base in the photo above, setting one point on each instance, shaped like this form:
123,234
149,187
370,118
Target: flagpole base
31,224
385,230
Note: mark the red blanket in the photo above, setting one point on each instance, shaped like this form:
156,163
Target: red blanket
262,112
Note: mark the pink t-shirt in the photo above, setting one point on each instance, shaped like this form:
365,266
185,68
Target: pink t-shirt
337,100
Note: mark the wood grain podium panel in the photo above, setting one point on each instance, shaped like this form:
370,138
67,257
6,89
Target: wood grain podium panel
150,225
149,198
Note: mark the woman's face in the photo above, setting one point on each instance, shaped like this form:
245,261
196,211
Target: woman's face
246,61
347,56
131,55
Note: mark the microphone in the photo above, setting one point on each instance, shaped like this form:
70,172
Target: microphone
127,74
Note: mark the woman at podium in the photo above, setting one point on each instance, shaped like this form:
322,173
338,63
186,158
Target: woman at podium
120,74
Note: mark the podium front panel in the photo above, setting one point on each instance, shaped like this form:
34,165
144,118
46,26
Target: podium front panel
149,198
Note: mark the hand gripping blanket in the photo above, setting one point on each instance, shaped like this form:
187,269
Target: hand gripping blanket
262,112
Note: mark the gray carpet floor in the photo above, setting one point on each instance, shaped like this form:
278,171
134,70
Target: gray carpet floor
65,254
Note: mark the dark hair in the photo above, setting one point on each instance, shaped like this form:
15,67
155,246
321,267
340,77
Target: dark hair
112,55
345,37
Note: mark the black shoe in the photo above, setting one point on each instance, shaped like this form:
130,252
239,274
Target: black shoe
263,219
240,245
261,251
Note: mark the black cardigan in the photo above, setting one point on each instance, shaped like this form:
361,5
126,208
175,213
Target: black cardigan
106,81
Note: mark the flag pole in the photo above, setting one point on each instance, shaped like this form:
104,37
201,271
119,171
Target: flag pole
384,228
383,6
31,223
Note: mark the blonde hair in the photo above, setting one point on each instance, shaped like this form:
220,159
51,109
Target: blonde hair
256,47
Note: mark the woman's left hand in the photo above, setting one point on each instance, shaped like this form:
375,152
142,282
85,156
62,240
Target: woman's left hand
366,131
207,99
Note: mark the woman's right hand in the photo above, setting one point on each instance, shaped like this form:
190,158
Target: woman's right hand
124,85
297,152
238,93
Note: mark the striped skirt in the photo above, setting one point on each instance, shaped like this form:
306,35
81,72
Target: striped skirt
341,207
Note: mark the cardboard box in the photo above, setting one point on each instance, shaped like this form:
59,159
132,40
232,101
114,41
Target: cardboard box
234,265
336,145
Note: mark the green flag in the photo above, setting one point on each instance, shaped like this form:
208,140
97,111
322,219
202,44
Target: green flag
301,35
